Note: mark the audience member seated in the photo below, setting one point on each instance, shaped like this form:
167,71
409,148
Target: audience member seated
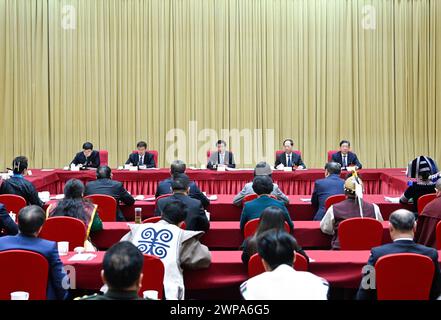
420,168
262,186
271,218
281,281
179,249
7,225
196,218
122,273
30,222
262,169
18,185
105,185
88,158
347,209
428,219
402,227
75,206
164,187
331,185
142,158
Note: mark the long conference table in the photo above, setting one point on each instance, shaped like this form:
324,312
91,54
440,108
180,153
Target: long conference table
226,235
144,182
341,269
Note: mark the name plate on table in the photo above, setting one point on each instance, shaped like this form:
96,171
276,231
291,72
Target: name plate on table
142,167
287,169
133,169
221,168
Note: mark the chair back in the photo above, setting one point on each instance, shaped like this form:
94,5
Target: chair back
107,206
255,264
64,229
360,234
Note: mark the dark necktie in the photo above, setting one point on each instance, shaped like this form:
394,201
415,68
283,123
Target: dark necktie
141,160
289,161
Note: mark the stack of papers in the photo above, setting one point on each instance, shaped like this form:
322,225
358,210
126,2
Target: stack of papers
392,199
82,257
139,197
305,199
212,197
150,199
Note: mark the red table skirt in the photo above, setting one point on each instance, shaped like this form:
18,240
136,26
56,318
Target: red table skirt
376,181
341,269
227,235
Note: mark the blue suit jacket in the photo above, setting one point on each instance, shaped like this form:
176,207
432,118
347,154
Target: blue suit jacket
403,246
6,222
323,189
164,187
49,250
253,209
352,159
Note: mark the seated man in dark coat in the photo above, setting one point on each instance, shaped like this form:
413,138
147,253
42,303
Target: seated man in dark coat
18,185
88,158
402,228
289,158
196,218
105,185
164,187
324,188
30,223
7,225
345,157
142,158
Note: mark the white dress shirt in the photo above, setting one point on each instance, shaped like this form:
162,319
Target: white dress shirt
285,283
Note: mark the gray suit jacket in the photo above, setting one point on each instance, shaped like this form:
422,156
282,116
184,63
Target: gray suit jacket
228,159
248,189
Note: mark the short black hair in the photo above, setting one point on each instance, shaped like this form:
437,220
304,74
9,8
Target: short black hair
87,146
333,167
174,212
19,164
122,265
180,182
103,172
177,167
262,185
276,248
291,141
31,219
402,220
141,144
221,142
345,141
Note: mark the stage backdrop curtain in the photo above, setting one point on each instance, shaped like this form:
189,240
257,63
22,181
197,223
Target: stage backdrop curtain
135,69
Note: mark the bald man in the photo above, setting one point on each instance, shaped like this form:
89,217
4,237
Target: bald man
402,228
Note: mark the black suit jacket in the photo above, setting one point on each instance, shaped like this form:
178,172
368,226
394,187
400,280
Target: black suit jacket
149,161
164,187
6,222
196,218
403,246
352,159
93,161
296,160
111,188
20,186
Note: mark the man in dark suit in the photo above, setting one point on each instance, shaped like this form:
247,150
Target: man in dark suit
105,185
196,218
289,158
18,185
164,187
345,157
221,157
30,222
262,186
88,158
6,223
402,228
142,158
331,185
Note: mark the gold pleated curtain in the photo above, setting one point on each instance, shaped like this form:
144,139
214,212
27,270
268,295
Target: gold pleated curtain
135,69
